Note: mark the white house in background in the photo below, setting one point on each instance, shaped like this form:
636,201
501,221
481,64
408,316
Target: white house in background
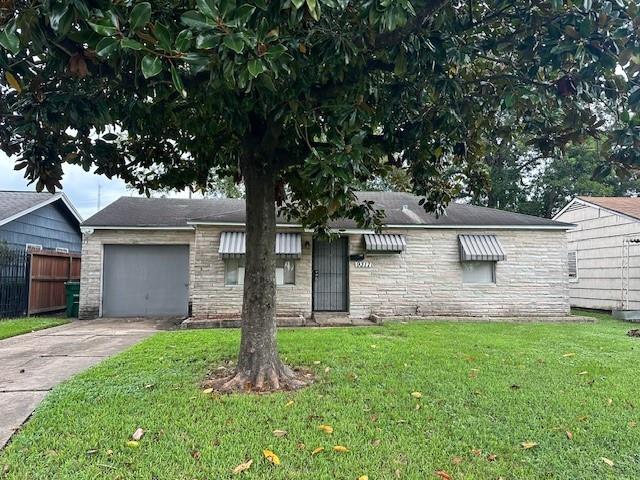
604,253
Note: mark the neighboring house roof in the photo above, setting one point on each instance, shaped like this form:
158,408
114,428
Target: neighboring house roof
14,205
627,206
401,210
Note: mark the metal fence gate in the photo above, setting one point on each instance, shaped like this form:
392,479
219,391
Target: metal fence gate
14,282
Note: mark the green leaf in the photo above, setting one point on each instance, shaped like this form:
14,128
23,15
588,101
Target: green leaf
103,27
177,82
298,3
206,41
140,15
587,4
107,46
163,35
131,44
207,7
57,12
243,14
151,66
234,42
10,41
255,67
183,40
195,19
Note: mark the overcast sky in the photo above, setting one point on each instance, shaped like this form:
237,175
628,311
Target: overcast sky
80,186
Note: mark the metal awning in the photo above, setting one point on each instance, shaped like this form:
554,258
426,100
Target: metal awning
232,245
484,248
384,243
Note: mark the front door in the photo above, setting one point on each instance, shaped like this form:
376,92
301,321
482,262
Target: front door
330,275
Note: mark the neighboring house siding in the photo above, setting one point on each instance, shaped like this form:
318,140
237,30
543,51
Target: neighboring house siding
424,280
597,240
47,226
92,255
427,278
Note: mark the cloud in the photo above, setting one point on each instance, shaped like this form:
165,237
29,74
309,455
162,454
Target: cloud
81,187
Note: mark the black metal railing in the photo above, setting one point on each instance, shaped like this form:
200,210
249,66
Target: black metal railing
14,282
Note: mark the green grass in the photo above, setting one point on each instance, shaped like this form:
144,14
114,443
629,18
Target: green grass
18,326
486,388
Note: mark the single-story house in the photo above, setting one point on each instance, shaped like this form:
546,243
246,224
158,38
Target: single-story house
157,256
604,252
39,221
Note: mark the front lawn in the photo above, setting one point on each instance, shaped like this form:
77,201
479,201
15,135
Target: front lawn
18,326
570,392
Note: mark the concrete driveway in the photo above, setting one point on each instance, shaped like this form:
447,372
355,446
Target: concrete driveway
34,363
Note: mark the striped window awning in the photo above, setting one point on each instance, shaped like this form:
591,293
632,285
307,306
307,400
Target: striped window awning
384,243
232,245
484,248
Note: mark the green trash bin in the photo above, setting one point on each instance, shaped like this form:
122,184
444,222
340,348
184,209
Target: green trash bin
72,290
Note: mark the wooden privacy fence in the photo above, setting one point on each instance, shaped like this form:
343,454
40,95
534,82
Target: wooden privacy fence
33,282
49,272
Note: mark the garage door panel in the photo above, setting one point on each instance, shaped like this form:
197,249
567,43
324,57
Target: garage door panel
145,280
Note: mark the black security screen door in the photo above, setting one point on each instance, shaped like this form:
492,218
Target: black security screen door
330,271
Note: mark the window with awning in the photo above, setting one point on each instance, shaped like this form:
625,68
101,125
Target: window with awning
390,243
480,248
233,245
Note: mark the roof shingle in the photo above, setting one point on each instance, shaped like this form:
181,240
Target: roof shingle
13,203
629,206
401,209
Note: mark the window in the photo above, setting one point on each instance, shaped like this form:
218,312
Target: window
33,246
285,272
573,264
234,271
62,250
479,272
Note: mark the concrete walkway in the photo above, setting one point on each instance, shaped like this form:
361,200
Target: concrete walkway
34,363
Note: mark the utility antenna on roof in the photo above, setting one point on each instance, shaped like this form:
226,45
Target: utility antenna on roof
99,194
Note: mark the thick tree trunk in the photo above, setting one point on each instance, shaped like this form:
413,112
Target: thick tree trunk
259,366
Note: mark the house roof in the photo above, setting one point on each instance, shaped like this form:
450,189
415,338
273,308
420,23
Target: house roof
629,206
401,210
15,204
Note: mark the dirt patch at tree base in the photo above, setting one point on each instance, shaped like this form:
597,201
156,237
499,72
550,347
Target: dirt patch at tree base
634,332
225,380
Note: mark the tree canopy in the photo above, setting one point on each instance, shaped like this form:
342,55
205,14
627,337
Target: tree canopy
330,92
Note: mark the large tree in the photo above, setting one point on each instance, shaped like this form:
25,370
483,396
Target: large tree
302,100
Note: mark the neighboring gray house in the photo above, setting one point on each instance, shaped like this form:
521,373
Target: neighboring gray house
40,221
604,252
145,257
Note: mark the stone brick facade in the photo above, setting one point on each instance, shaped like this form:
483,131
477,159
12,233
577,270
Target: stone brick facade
424,280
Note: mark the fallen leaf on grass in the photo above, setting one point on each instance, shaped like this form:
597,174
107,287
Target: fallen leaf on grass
607,461
528,445
582,373
327,369
456,460
289,403
272,457
416,394
195,454
92,451
477,452
109,452
443,475
492,457
280,433
317,450
328,429
569,354
316,362
133,444
610,402
569,435
376,442
363,477
243,467
633,424
340,449
207,391
137,435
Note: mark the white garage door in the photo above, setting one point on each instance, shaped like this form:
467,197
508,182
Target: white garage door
145,280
